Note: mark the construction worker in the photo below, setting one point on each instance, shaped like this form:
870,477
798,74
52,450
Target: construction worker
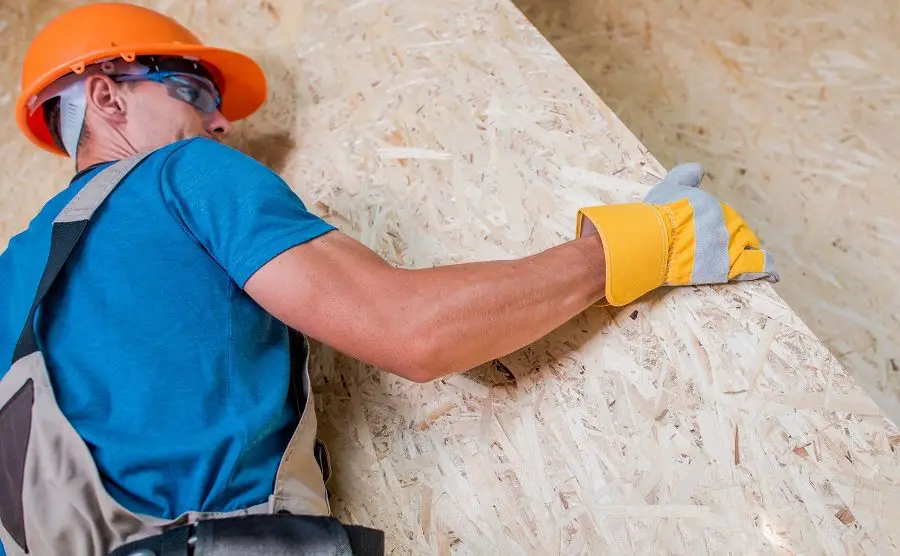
157,400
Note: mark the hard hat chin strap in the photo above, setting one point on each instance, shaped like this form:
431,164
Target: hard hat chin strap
72,109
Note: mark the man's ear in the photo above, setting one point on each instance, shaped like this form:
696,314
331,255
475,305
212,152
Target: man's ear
105,98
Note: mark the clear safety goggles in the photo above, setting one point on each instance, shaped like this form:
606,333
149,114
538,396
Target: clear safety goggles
184,79
199,92
191,83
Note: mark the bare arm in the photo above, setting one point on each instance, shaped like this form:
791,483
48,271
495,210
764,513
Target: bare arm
424,324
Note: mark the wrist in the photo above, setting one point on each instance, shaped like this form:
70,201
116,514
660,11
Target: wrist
635,242
591,253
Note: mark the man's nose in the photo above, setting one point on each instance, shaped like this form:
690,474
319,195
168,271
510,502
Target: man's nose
218,125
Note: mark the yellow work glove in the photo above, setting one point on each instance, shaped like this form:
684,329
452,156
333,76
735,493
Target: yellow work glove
679,235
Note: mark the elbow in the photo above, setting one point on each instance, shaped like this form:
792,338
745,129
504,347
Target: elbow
419,375
420,341
423,358
422,366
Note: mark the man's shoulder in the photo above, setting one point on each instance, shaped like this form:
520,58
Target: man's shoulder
200,168
204,151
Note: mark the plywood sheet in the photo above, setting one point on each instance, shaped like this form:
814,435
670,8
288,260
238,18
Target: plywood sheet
703,420
793,107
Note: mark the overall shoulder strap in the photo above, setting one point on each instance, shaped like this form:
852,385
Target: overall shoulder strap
68,228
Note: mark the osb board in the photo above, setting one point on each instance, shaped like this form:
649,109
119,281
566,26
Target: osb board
704,420
793,107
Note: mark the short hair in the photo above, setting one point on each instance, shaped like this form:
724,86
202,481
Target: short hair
51,118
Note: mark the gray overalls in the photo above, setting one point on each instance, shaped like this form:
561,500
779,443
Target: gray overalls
52,500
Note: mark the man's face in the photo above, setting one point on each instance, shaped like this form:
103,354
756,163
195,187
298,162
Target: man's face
156,119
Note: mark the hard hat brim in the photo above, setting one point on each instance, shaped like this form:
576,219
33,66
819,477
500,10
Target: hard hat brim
241,81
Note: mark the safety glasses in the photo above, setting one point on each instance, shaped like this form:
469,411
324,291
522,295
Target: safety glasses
199,92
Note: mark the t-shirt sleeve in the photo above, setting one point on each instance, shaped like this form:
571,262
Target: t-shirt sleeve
242,213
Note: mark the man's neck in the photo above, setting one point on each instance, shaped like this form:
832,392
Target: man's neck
99,149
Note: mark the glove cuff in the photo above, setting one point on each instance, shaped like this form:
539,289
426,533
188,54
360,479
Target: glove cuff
636,243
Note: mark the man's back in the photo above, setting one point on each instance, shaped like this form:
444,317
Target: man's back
173,376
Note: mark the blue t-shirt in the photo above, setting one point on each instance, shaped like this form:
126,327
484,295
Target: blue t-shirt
174,377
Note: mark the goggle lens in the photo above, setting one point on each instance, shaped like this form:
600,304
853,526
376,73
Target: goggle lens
193,90
197,91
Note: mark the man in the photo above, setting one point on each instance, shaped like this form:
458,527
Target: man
179,396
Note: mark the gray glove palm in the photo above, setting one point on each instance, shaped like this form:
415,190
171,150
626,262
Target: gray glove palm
725,244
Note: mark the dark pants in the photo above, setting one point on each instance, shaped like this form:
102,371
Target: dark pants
271,535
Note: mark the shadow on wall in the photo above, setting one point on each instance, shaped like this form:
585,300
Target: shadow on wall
269,135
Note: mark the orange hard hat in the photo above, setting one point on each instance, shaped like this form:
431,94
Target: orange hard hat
98,32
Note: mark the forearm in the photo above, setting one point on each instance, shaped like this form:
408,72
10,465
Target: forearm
471,313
